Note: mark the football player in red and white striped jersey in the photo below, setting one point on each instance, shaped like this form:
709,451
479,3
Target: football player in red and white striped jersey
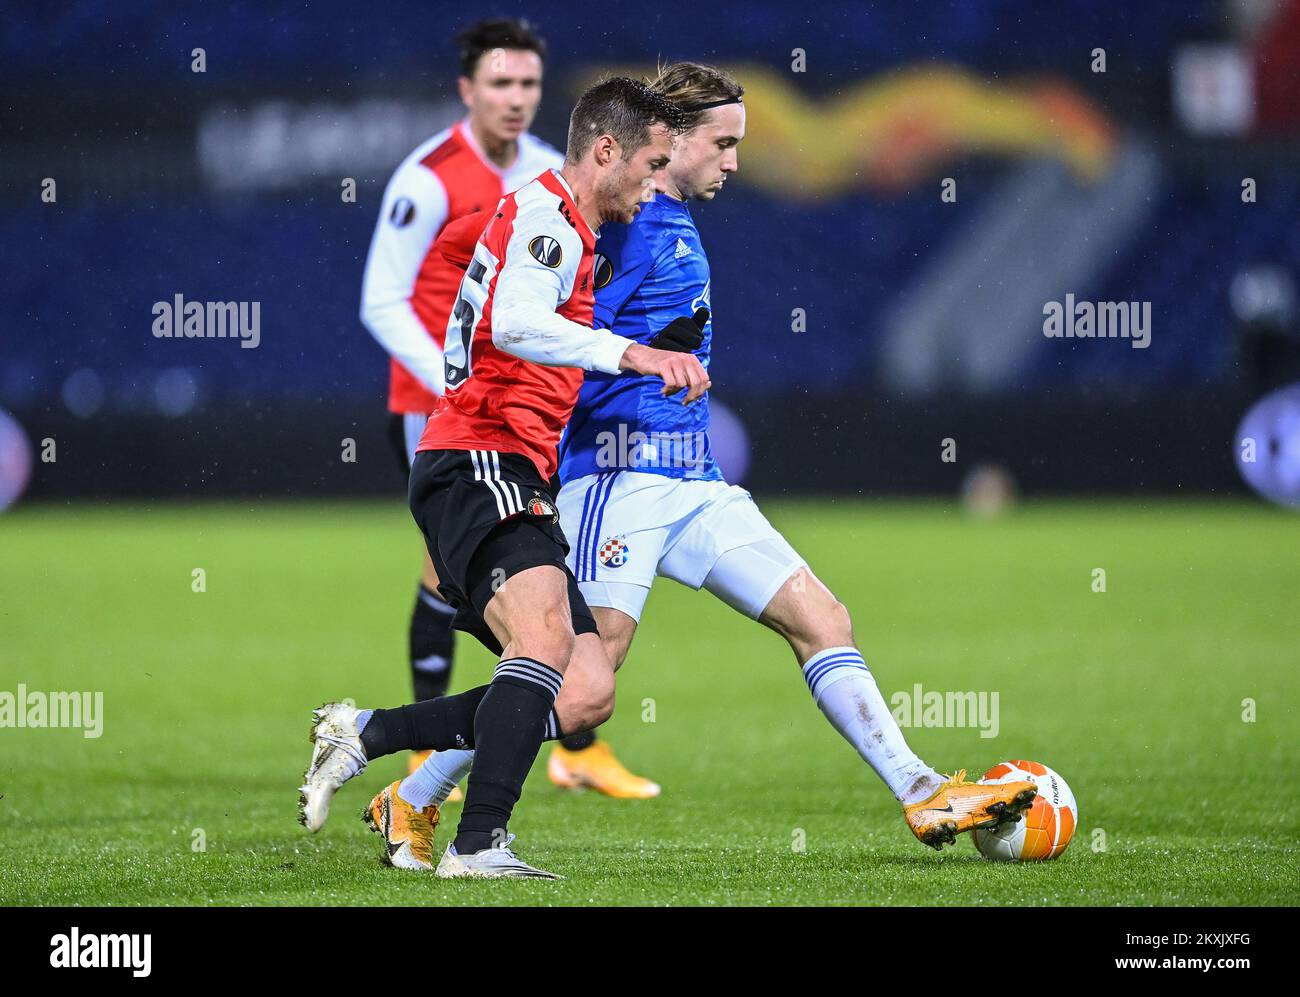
518,340
408,291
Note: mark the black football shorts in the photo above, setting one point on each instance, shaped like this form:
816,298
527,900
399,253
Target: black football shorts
404,432
397,440
487,515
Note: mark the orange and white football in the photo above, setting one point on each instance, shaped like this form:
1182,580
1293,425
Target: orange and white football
1047,826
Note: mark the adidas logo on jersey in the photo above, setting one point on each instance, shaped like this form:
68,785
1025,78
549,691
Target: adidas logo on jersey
682,250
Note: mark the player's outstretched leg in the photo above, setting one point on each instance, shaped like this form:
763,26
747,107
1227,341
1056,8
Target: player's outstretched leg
582,761
345,739
936,809
586,700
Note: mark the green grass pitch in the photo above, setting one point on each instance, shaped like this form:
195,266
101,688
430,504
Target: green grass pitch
1135,695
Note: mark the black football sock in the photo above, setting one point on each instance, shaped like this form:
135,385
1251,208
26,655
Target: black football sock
579,742
446,722
431,645
514,717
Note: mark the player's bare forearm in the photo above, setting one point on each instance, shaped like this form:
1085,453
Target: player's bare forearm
676,370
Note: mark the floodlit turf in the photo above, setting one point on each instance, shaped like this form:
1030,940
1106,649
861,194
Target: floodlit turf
1135,695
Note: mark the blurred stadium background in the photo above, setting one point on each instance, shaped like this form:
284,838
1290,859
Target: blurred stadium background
861,319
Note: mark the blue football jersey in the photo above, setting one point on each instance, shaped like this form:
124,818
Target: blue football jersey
646,274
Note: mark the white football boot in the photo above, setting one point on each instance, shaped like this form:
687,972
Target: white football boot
490,863
336,756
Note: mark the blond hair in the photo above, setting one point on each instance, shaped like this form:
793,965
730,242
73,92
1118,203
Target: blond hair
688,84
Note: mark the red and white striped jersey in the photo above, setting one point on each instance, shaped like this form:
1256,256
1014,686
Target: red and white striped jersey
408,290
520,336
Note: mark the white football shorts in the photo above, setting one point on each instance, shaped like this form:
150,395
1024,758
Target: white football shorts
626,527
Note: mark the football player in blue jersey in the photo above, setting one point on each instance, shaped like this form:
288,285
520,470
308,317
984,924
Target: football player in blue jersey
642,495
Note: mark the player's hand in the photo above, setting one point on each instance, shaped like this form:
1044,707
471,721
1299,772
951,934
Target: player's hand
682,334
677,370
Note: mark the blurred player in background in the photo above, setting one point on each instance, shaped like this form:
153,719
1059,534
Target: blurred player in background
519,338
408,292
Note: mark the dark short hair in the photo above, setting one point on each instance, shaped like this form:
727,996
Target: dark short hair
495,33
624,108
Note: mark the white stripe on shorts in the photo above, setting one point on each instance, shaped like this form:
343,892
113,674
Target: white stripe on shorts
479,457
507,486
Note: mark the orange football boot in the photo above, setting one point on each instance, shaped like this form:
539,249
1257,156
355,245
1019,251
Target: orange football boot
407,832
596,768
959,806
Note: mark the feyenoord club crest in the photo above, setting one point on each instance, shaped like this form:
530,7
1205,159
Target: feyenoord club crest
538,506
613,552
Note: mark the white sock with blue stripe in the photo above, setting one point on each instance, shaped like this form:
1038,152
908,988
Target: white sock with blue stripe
434,780
843,688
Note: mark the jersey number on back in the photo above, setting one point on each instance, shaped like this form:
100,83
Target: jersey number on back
464,317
